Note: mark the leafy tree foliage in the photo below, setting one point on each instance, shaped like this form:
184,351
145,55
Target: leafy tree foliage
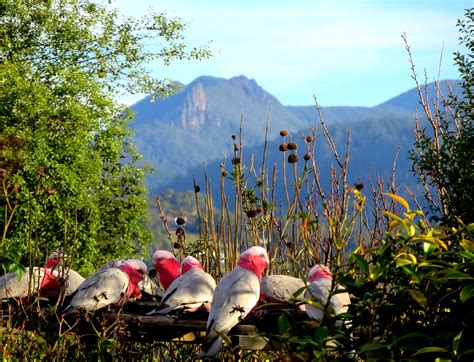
68,168
443,157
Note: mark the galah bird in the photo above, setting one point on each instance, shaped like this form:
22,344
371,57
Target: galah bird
281,288
112,286
146,285
319,289
191,290
47,282
167,266
234,297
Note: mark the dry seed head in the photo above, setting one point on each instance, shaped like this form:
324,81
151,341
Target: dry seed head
197,189
283,147
283,133
224,173
180,220
292,158
180,231
307,156
236,161
309,138
292,146
359,186
234,137
251,213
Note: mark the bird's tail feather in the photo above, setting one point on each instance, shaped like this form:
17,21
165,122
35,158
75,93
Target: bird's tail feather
210,348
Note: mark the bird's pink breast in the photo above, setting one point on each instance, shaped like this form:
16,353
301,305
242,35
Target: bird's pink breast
168,270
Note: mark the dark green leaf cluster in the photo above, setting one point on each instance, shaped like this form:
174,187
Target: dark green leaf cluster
69,169
413,297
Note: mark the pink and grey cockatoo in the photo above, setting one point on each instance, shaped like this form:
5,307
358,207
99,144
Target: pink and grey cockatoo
191,290
319,289
281,288
111,286
234,297
167,266
147,285
47,282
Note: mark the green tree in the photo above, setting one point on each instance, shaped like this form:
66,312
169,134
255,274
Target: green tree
69,170
443,155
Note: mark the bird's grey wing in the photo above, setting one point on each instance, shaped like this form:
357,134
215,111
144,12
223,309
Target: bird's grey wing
101,289
234,297
13,287
73,281
194,287
340,300
281,287
319,292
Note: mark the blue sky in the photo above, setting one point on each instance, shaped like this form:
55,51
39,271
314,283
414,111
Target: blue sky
344,52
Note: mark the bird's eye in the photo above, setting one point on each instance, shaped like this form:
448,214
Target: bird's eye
262,256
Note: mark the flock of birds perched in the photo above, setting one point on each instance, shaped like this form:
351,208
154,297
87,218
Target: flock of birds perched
186,286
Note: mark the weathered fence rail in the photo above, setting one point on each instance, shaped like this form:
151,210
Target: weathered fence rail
135,325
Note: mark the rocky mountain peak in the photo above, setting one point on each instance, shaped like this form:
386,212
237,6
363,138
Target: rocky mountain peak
194,109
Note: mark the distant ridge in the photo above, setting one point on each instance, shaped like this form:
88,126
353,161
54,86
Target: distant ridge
191,129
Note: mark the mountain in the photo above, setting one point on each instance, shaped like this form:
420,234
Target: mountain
190,131
195,125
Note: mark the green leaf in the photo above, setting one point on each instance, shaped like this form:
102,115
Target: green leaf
428,248
456,341
418,297
372,347
321,334
410,336
458,275
467,293
430,350
360,261
406,259
283,324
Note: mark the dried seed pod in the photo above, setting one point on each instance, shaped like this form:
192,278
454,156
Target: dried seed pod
224,173
176,245
234,137
180,231
292,158
307,156
283,147
292,146
359,186
251,213
197,189
283,133
309,138
180,221
236,161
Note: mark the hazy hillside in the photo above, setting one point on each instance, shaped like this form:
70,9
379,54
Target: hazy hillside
191,131
195,125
